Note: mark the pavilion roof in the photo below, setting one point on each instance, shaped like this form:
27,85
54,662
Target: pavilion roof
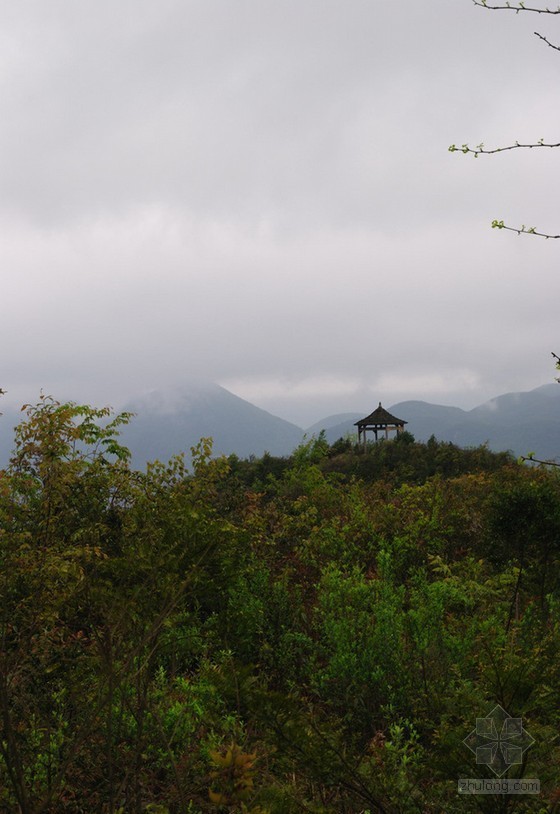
382,417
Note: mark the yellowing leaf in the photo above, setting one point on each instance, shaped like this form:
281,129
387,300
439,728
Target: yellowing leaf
217,798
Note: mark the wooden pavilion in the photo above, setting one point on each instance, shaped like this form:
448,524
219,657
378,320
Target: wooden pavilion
378,421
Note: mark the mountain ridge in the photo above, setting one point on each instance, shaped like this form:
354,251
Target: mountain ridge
172,421
521,422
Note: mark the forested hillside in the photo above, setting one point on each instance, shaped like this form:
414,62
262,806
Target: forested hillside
316,633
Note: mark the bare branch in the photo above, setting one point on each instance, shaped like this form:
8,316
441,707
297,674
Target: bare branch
480,149
544,39
557,363
517,7
531,458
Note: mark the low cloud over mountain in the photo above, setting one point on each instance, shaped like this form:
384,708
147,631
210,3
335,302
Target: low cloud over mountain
520,422
172,421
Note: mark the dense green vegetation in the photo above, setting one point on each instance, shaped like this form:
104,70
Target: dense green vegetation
312,634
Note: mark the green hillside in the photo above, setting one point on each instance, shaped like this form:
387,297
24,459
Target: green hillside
314,633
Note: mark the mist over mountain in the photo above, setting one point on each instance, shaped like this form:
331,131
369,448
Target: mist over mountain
331,424
170,422
519,422
167,423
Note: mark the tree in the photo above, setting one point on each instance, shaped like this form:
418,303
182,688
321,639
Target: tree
100,568
480,149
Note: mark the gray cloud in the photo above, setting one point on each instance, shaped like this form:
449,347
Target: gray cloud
261,193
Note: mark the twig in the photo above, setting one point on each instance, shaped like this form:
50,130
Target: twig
523,230
481,150
534,460
544,39
517,8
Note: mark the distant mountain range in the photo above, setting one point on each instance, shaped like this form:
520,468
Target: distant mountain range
519,422
172,422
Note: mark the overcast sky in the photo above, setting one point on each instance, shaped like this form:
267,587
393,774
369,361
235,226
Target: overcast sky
260,192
